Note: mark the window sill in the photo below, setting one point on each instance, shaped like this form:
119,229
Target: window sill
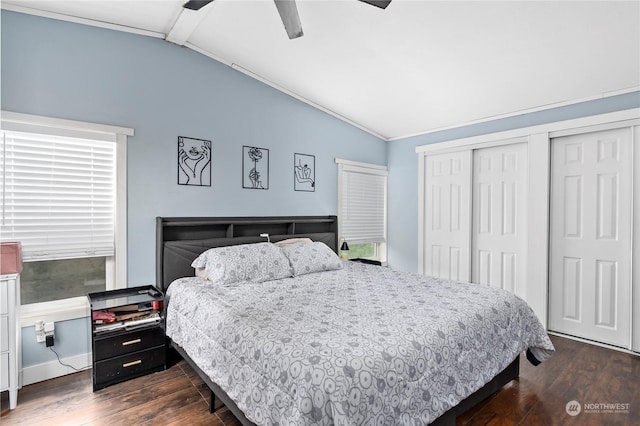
57,310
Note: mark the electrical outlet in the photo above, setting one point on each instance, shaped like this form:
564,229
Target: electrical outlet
49,327
40,334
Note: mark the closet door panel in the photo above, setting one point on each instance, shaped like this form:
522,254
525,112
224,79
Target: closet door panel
447,215
500,217
590,236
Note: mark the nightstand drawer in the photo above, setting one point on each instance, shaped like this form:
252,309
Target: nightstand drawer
128,366
127,342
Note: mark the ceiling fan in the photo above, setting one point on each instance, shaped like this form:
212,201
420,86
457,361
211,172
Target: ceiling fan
288,12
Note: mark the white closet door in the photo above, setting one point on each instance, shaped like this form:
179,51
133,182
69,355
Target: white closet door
590,241
447,215
500,217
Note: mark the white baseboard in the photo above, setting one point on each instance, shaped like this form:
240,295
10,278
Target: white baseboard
51,370
593,342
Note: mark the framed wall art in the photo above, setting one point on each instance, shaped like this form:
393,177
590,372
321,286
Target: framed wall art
304,172
194,161
255,167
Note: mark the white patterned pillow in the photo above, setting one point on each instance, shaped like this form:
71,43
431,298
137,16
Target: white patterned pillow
245,262
311,257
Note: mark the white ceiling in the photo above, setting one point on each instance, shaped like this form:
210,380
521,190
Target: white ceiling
415,67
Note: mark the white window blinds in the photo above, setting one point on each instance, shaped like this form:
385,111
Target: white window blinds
58,195
362,202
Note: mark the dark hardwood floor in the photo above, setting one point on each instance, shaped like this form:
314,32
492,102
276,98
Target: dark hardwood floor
577,372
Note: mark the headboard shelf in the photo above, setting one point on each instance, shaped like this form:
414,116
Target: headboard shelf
179,240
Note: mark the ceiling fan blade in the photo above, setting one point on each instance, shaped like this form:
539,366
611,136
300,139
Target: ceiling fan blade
196,4
382,4
289,14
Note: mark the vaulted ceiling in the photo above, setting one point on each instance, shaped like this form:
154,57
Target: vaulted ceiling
413,67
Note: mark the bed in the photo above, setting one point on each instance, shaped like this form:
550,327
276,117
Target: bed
350,344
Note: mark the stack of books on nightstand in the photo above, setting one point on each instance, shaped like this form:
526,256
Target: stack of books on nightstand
128,317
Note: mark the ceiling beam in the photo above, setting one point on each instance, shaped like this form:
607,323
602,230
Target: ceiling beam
185,25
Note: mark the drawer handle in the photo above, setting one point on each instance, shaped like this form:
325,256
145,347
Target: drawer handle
132,363
131,342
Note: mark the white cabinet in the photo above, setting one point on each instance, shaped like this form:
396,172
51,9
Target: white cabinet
10,342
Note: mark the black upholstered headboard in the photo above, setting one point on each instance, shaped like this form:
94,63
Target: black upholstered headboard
179,240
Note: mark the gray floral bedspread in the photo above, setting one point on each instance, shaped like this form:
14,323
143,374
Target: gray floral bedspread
359,345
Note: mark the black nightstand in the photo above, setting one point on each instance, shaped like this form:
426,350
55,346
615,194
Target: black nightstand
134,344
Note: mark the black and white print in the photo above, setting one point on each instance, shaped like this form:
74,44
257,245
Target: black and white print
304,172
255,167
194,161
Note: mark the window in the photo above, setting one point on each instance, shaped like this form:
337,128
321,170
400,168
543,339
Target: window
59,201
362,209
47,280
59,197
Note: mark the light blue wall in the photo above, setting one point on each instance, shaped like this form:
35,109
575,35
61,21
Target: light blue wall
403,167
163,91
70,338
